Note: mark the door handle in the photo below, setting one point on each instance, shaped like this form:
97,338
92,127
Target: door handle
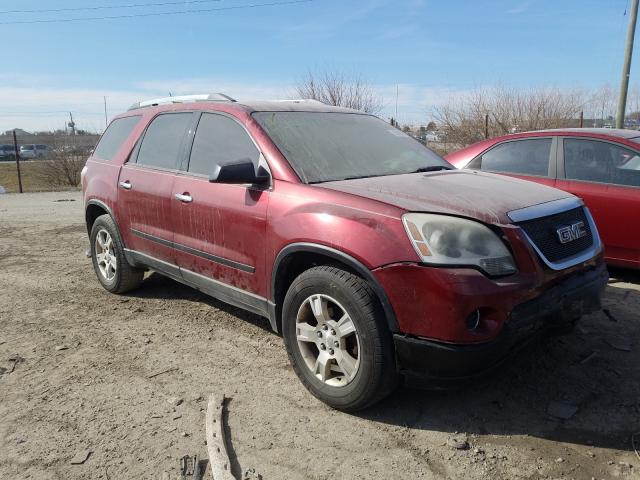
126,185
184,197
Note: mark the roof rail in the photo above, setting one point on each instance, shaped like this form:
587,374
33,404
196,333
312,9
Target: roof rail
210,97
301,100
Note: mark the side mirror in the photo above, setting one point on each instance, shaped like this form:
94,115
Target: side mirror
242,171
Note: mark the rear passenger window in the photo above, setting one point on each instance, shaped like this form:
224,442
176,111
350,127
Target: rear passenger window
220,140
162,142
594,161
114,136
525,157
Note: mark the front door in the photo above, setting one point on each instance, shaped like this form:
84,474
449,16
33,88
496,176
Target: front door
220,228
145,187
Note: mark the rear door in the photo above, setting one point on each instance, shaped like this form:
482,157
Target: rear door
220,228
606,175
529,158
145,186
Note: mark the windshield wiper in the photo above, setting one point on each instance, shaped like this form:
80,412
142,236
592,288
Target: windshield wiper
432,168
362,176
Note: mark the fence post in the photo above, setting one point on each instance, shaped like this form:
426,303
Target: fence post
15,149
486,126
581,119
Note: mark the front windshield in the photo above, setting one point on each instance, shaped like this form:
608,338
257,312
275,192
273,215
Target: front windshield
322,147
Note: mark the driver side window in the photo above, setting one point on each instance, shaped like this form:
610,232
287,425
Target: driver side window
220,140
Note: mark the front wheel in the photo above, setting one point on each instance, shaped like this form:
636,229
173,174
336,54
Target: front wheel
107,254
337,339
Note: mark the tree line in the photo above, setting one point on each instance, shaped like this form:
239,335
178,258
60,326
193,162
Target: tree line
468,117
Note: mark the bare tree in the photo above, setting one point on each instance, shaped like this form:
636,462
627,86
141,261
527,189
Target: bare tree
63,170
510,110
604,100
339,89
602,103
633,103
63,166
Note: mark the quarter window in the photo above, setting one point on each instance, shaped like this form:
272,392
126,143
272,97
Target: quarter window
524,157
595,161
219,140
114,136
162,142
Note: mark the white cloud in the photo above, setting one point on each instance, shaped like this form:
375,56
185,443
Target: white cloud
39,107
239,91
45,108
329,25
415,102
520,8
36,106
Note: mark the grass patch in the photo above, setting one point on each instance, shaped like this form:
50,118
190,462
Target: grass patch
33,178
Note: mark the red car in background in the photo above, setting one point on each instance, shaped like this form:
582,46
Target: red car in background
599,165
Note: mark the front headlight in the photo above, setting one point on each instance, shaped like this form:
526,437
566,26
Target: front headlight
445,240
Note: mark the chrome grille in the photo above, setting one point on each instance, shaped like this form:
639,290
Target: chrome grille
543,233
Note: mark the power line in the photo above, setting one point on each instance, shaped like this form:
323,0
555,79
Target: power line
156,14
106,7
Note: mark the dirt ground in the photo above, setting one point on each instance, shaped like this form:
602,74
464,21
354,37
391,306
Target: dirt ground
76,364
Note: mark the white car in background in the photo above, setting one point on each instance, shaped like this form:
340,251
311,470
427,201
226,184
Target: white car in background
34,151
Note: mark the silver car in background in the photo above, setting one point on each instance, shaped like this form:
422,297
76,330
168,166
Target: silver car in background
34,151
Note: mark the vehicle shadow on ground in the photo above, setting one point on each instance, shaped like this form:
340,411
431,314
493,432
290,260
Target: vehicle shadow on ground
157,286
580,370
591,369
618,274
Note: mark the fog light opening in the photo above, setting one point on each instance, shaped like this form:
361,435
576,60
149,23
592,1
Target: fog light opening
473,320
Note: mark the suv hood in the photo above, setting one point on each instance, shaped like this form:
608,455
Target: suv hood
484,196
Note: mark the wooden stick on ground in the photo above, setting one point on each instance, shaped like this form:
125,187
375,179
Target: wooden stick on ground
153,375
218,455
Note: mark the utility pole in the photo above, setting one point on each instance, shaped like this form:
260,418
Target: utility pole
106,121
486,126
15,150
628,52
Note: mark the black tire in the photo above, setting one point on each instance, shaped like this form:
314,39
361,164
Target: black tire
376,376
126,277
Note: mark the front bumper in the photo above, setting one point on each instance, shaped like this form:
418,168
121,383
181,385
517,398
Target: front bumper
554,310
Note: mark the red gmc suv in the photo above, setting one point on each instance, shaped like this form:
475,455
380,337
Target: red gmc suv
373,257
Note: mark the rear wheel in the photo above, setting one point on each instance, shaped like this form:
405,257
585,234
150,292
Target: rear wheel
107,254
337,339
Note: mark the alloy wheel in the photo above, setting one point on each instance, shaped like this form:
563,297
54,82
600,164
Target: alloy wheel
105,255
328,340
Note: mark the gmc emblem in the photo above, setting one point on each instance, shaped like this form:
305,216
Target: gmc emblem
569,233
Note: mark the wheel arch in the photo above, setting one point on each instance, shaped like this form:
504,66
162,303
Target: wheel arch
95,208
298,257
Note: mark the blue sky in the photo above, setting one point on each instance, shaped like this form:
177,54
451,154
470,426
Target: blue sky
432,50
